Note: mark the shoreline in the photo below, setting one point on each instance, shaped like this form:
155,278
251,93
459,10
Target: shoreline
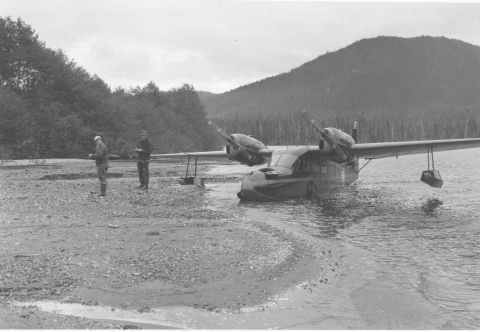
62,243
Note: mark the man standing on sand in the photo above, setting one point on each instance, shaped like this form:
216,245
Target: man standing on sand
143,150
101,160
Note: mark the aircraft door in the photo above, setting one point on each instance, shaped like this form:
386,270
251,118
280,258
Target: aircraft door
302,165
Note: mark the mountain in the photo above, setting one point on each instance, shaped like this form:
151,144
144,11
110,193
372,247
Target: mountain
205,95
377,75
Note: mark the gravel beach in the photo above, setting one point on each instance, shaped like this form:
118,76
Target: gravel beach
133,249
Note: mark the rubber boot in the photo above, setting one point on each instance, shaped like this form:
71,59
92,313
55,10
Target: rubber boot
140,186
103,190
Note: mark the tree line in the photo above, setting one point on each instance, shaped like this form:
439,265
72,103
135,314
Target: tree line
50,107
376,126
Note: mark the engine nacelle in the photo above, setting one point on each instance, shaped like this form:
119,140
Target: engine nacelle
248,142
342,139
324,146
250,145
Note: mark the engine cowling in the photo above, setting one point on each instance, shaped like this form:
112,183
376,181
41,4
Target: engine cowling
249,146
237,155
344,140
324,146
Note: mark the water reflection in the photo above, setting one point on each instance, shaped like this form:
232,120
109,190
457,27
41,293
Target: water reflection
430,207
323,216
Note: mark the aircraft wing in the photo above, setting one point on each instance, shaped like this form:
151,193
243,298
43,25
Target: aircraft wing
206,154
209,154
392,149
359,150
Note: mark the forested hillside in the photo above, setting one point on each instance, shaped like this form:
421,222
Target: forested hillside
398,88
52,108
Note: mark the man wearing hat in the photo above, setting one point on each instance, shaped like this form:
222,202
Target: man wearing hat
143,150
101,160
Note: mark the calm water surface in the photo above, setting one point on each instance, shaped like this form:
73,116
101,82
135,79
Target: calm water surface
406,232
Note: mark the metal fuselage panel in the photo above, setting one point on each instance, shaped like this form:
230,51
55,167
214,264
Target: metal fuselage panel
281,182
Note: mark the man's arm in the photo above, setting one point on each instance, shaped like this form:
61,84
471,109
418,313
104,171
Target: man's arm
101,153
147,150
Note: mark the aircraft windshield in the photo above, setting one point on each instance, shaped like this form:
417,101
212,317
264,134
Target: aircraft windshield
285,160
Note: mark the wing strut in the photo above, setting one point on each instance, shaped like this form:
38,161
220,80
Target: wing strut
430,151
199,182
431,177
369,160
188,163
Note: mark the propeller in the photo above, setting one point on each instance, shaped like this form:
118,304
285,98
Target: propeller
324,135
232,142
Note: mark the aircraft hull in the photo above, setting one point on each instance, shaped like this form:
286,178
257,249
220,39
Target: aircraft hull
260,186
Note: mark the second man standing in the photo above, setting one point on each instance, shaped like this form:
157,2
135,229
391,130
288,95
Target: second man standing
143,150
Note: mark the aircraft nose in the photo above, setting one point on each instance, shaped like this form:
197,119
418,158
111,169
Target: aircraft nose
255,176
250,186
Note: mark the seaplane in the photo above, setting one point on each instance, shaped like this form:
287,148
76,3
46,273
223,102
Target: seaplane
308,170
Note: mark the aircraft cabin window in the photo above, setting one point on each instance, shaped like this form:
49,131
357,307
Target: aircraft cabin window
274,160
302,165
285,160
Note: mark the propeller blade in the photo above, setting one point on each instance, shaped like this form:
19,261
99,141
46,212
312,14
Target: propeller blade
219,130
324,135
222,133
310,119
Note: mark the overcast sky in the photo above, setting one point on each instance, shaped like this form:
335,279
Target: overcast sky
218,46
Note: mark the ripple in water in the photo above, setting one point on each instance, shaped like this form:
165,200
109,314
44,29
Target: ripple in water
411,234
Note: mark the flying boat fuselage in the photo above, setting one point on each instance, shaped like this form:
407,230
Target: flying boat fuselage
296,173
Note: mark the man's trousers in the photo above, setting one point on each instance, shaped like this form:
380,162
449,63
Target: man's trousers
102,176
143,172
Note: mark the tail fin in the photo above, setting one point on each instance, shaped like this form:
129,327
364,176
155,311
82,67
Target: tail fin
354,131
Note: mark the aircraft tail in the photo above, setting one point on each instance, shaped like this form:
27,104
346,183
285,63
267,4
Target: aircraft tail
354,131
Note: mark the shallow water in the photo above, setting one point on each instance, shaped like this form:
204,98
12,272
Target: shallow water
406,233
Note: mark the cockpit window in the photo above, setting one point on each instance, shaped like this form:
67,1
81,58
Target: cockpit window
285,160
274,160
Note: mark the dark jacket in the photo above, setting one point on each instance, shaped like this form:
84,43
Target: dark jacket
147,148
101,155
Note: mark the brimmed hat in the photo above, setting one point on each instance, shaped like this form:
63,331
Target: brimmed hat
143,133
96,137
